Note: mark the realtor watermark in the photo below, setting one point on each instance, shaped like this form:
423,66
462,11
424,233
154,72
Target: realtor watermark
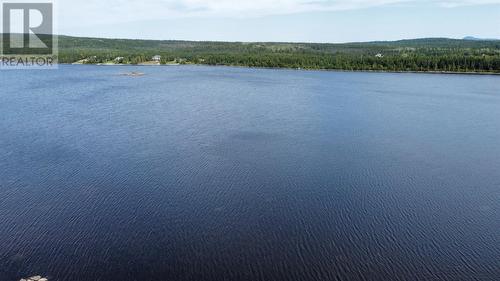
27,35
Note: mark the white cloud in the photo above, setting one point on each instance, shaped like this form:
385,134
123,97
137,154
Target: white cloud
457,3
89,12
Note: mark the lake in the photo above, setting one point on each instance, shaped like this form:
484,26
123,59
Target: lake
219,173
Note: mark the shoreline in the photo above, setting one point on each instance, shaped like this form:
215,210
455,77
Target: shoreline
295,69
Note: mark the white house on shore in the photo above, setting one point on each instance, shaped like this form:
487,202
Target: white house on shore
156,58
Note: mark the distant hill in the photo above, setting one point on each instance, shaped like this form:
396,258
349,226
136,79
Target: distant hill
67,42
427,54
479,39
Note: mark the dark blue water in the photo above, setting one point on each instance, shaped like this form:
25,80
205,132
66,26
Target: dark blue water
204,173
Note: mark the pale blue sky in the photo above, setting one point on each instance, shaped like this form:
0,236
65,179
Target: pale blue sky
280,20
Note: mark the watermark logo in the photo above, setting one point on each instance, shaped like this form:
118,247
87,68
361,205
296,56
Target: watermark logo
28,40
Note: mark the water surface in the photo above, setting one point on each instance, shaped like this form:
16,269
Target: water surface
207,173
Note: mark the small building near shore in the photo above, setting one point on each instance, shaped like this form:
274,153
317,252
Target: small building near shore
156,58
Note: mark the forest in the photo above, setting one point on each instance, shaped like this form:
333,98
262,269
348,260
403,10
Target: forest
434,54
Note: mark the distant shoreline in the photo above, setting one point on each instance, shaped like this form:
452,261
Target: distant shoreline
427,55
296,69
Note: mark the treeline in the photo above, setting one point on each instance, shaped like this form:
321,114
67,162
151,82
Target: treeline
346,62
408,55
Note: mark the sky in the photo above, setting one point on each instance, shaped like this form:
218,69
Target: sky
329,21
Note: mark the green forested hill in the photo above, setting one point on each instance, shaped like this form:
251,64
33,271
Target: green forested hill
434,54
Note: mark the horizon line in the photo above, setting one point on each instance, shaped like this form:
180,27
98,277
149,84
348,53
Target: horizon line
466,38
